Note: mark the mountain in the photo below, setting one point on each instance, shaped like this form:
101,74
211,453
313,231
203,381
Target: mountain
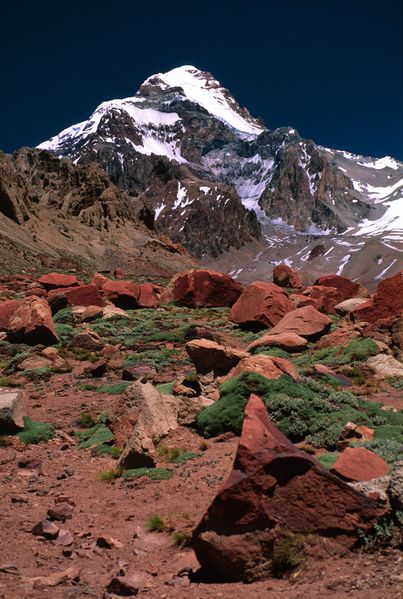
60,215
236,194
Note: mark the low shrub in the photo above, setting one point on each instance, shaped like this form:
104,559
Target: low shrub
287,553
35,432
152,473
114,389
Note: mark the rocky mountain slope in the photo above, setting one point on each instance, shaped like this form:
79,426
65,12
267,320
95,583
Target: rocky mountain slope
55,213
239,195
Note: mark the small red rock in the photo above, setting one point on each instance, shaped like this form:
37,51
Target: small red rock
285,276
61,512
358,464
46,529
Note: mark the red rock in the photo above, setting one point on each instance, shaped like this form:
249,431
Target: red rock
149,295
45,529
260,305
326,298
209,356
306,322
38,291
268,366
290,342
124,294
32,323
99,280
300,301
119,273
91,313
97,369
358,464
273,489
60,511
285,276
55,280
126,586
386,304
205,288
7,309
346,288
85,295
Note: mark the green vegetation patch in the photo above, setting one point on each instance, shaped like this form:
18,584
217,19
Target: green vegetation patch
357,350
35,432
114,389
328,459
152,473
396,382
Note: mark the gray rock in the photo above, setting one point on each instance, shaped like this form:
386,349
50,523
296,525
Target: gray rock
155,416
395,489
12,411
349,305
384,365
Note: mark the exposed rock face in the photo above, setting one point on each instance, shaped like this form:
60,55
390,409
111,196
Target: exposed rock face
7,309
56,213
284,276
349,305
359,464
32,323
326,298
260,305
384,366
202,288
12,411
274,488
306,322
209,356
290,342
387,302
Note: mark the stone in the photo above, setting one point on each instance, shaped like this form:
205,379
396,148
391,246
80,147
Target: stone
7,309
134,371
96,369
349,305
375,488
149,295
124,294
153,416
274,489
34,362
99,280
46,529
285,276
290,342
12,410
306,322
386,304
126,586
32,323
202,288
188,408
326,298
395,488
359,464
260,305
85,295
209,356
111,311
108,543
397,332
56,578
384,366
346,288
268,366
91,313
54,280
88,339
65,538
61,512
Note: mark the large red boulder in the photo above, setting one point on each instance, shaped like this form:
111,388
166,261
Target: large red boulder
209,356
306,322
290,342
204,288
124,294
268,366
260,305
7,309
273,490
32,323
326,298
99,280
285,276
386,304
149,295
85,295
55,280
358,464
345,287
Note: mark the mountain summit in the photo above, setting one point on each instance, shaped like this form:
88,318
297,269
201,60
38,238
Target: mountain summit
235,192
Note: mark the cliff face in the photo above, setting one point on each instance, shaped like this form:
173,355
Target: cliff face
52,208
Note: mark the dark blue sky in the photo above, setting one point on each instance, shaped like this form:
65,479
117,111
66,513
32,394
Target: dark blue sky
330,68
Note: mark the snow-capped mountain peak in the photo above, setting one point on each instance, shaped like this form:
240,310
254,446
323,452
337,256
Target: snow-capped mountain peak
201,87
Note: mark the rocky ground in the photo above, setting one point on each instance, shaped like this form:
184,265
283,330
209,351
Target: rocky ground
132,375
